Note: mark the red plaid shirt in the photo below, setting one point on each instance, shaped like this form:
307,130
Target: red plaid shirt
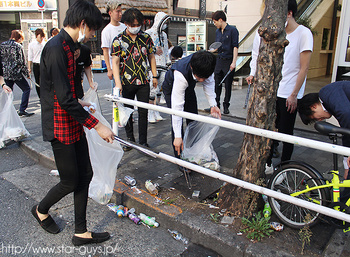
59,98
67,129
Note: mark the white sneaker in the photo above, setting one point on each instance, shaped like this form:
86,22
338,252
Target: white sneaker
157,115
268,169
151,117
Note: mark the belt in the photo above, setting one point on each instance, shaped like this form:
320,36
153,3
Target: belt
37,64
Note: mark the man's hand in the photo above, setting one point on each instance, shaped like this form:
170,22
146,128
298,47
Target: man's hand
7,89
110,74
179,145
233,66
215,112
104,132
249,79
155,82
291,103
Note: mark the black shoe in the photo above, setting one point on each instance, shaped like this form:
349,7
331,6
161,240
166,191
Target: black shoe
128,148
145,144
96,238
207,110
26,114
226,110
47,224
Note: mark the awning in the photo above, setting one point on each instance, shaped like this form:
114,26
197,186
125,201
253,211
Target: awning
147,7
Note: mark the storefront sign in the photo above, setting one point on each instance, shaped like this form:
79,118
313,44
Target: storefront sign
27,5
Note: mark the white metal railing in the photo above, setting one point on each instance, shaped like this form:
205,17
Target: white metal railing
246,129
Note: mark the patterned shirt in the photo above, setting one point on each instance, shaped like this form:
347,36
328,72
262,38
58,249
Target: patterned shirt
13,61
133,57
62,116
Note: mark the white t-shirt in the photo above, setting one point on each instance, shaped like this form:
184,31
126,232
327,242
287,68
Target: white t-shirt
34,51
108,34
300,40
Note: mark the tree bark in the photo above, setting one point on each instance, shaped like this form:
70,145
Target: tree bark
261,111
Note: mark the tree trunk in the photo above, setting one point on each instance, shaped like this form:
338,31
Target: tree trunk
261,111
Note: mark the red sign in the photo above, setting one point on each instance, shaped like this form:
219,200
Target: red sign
41,4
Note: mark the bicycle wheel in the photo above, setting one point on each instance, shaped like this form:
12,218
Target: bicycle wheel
291,178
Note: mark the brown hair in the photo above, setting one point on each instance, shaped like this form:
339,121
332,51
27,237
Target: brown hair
17,35
39,32
54,32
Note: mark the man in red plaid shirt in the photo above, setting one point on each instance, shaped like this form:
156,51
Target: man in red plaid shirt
63,118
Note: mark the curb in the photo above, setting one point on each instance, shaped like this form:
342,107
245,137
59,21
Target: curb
39,153
199,230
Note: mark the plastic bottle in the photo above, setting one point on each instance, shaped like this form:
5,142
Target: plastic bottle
267,210
151,188
148,220
130,180
120,211
178,236
132,216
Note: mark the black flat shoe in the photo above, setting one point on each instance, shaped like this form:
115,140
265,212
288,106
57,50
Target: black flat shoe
47,224
96,238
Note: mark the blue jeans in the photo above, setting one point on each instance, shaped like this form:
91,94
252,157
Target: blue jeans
24,86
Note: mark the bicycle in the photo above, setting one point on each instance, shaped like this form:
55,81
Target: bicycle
299,179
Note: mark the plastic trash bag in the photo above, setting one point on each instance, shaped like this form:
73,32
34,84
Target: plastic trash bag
104,157
11,125
124,114
198,146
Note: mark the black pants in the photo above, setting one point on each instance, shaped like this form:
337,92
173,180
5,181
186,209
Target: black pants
36,71
285,122
74,167
189,106
24,86
221,69
142,94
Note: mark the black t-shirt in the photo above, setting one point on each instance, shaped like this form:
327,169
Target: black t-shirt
83,61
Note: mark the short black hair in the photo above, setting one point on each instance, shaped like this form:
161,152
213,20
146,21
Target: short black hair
177,52
203,64
304,107
218,15
293,6
131,14
83,10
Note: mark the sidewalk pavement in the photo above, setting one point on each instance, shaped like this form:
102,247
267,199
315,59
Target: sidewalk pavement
227,144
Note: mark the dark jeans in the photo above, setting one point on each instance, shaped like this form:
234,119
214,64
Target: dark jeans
74,167
24,86
142,94
285,122
36,71
189,106
221,69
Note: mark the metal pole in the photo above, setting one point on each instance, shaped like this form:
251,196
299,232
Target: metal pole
262,190
240,127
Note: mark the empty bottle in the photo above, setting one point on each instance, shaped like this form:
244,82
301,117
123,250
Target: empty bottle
120,211
267,210
151,187
148,220
130,180
178,236
132,216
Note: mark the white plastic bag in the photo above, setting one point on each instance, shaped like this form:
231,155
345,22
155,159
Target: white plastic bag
104,157
124,114
197,145
11,125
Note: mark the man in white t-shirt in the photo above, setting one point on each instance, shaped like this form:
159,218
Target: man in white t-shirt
34,53
292,86
113,29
